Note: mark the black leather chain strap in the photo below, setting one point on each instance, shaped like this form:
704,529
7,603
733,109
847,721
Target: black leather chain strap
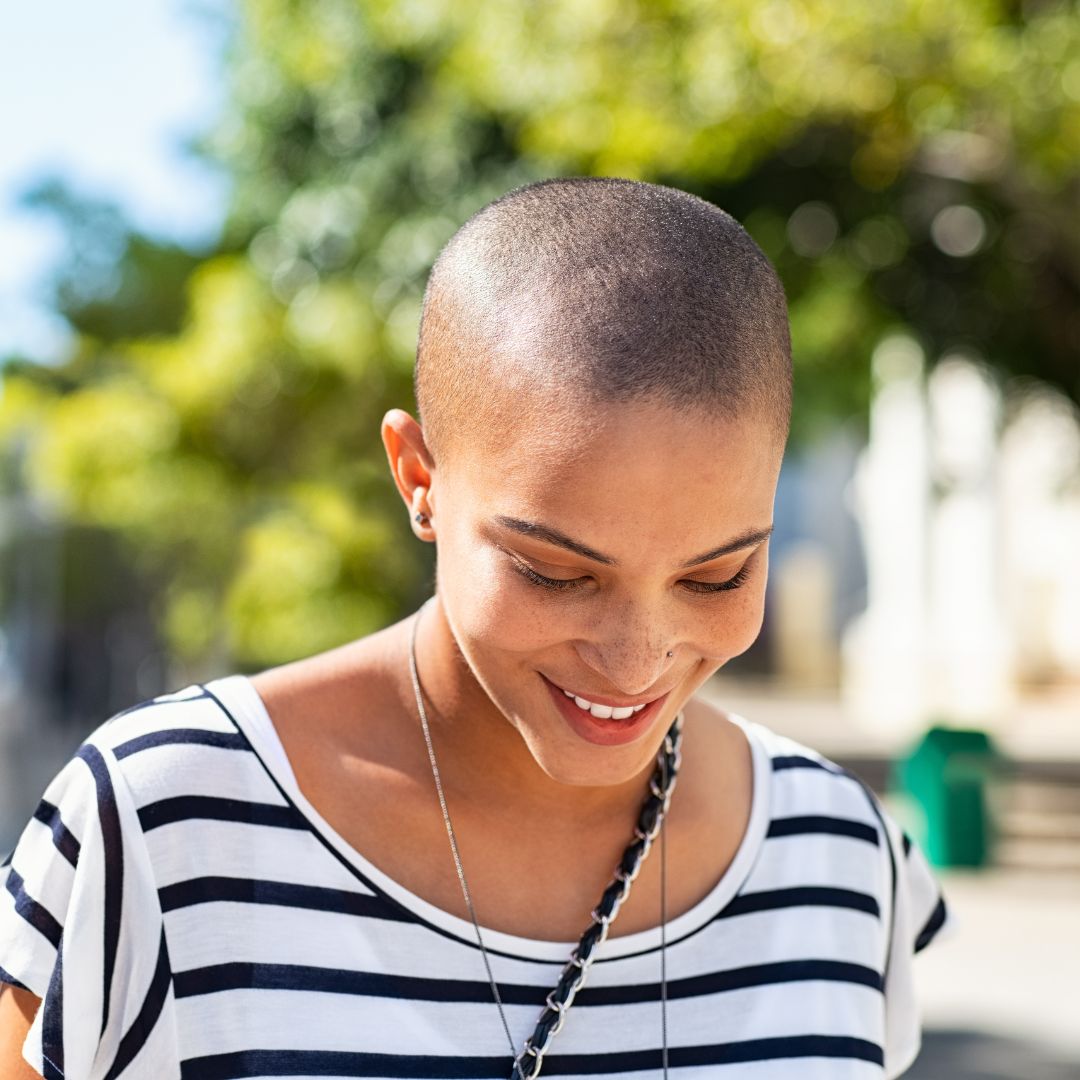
528,1063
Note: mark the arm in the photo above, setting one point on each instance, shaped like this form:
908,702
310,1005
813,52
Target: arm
17,1009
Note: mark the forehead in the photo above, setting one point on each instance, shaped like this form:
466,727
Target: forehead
641,477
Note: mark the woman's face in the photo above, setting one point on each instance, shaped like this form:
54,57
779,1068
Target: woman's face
576,562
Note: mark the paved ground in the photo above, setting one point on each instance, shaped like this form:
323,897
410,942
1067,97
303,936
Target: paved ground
1001,995
978,1055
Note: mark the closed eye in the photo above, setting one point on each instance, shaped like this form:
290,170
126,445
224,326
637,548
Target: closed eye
717,586
576,583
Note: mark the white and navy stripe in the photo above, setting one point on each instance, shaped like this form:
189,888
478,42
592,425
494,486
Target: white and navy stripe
176,884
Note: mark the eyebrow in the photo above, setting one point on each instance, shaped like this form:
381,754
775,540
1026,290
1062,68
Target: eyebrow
549,535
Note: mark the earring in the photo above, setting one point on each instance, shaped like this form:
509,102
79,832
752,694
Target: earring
421,518
670,653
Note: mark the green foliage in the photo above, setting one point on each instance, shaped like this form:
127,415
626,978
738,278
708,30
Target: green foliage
114,281
906,164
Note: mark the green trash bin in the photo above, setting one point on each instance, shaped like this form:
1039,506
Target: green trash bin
947,774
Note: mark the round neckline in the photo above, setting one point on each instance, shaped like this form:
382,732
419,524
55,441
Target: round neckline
249,712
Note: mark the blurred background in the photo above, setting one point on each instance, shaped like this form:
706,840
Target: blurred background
216,221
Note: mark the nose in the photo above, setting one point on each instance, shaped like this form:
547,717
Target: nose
629,662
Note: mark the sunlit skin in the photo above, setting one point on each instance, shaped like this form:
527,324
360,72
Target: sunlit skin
541,814
647,487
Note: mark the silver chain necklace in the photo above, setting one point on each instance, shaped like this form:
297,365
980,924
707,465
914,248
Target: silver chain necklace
528,1063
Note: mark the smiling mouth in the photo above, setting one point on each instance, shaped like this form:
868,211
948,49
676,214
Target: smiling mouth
601,711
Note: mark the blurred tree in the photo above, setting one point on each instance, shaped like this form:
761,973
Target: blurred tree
908,166
114,282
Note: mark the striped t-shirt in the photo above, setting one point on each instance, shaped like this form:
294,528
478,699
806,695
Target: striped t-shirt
184,912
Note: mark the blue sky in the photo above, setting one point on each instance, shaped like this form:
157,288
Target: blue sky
103,94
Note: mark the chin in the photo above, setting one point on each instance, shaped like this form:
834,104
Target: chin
600,767
595,758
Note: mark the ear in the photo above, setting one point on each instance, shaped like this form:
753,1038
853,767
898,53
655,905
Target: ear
412,467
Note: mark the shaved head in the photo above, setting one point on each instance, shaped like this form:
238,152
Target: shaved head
571,294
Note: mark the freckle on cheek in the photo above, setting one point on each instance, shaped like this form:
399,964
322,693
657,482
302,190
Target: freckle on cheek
515,624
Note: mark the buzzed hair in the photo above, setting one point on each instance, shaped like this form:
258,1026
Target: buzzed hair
600,290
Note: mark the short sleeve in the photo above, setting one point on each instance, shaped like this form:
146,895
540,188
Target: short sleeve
920,915
81,928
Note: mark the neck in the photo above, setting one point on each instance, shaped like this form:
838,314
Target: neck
482,757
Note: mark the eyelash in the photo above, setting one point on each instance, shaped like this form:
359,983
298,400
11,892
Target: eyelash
701,587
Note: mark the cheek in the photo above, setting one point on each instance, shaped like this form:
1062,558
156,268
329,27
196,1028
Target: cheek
747,626
728,627
491,606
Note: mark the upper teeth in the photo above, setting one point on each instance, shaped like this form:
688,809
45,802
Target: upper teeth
604,712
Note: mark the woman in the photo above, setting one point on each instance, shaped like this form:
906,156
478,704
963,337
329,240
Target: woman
429,852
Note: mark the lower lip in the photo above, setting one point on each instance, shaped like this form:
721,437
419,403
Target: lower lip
604,732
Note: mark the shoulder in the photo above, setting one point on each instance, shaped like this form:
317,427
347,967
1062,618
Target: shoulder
194,713
824,827
139,754
166,773
800,779
811,794
155,745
